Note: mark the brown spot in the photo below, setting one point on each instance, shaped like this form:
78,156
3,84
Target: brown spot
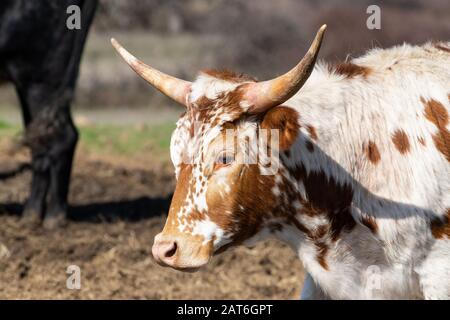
351,70
421,141
401,142
322,250
441,227
372,152
229,75
312,132
437,114
441,46
203,103
370,223
284,119
326,195
319,232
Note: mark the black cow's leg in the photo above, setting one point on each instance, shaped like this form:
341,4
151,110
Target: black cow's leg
60,172
35,204
34,208
52,137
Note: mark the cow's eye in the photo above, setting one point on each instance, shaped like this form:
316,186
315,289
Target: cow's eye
224,159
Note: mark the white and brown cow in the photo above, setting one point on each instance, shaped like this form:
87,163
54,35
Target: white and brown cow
362,190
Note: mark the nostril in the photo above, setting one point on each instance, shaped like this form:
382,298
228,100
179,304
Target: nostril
171,252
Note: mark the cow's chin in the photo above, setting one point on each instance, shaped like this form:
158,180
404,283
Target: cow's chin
189,265
182,268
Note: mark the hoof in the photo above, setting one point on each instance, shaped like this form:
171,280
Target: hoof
30,218
54,222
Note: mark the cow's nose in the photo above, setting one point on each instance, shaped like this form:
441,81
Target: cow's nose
164,251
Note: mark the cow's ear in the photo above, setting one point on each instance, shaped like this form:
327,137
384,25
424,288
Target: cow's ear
284,119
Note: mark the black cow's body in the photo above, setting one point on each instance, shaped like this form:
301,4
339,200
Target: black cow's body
40,55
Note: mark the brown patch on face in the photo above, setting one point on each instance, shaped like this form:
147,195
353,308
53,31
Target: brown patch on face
228,75
370,223
201,110
372,152
401,142
180,194
312,132
242,211
203,103
421,141
437,114
440,46
214,112
327,196
441,227
179,201
284,119
351,70
202,107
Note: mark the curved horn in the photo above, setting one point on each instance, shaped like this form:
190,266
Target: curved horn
172,87
267,94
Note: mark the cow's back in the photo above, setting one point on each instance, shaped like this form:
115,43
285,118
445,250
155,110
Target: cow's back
406,111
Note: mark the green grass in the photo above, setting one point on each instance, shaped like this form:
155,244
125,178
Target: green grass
127,140
4,125
114,139
9,130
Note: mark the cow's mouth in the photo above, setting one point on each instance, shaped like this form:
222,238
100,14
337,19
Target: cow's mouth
193,265
222,249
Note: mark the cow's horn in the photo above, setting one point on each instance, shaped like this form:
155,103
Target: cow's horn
172,87
264,95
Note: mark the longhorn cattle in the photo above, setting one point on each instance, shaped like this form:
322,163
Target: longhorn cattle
361,189
40,55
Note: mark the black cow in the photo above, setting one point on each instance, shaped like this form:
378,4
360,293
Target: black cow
40,55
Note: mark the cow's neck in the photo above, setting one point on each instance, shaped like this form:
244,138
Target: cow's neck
324,178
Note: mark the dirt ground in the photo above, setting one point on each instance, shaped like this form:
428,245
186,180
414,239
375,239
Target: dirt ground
117,207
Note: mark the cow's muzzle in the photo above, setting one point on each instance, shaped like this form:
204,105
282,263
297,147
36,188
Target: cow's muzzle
181,254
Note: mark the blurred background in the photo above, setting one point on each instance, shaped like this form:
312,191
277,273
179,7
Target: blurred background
262,38
122,174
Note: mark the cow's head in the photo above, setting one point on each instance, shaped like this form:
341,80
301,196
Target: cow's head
226,187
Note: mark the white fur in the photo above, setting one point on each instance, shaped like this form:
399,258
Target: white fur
402,191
